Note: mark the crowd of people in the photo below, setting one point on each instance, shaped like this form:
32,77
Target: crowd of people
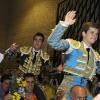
81,64
34,65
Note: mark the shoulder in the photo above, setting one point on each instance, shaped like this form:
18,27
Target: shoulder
44,55
97,55
25,49
73,43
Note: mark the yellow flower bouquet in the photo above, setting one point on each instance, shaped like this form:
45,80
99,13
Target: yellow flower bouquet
21,90
16,96
21,83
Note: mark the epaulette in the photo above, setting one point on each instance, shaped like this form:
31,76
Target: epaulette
74,44
25,49
44,55
97,56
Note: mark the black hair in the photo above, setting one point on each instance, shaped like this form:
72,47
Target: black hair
39,34
5,77
28,75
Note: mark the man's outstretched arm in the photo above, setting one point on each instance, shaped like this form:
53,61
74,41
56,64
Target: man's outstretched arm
54,40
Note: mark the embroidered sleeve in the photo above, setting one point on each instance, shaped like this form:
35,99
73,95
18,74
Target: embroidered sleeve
55,40
44,55
97,56
25,50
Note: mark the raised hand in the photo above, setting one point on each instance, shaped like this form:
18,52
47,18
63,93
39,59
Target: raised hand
70,18
13,47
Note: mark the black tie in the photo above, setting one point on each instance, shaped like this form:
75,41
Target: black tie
34,59
88,50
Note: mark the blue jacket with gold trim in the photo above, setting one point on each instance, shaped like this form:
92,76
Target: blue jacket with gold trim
76,55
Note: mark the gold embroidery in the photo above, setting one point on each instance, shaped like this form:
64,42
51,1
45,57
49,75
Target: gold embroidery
74,44
97,56
44,55
28,66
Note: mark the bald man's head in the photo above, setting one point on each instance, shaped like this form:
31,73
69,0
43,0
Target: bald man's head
78,93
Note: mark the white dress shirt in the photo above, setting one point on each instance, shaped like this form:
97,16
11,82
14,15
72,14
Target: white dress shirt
1,57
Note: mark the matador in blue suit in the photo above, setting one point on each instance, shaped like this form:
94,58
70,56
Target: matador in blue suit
80,58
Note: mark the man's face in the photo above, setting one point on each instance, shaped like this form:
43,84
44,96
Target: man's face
37,42
91,35
6,85
30,84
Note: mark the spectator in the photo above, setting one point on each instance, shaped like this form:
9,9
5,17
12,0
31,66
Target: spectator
4,86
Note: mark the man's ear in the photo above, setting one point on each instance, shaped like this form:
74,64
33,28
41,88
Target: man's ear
83,33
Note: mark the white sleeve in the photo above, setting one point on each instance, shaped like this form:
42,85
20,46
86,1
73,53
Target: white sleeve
1,57
63,24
